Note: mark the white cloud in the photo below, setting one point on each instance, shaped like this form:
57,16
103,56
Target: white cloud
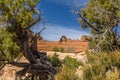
54,32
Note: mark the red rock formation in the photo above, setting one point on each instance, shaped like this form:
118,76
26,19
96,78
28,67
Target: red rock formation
78,45
85,38
63,39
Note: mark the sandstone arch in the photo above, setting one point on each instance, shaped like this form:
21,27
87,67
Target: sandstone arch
63,39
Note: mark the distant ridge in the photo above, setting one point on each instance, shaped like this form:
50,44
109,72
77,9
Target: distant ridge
64,42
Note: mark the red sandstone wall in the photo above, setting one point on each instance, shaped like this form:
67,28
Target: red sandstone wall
79,46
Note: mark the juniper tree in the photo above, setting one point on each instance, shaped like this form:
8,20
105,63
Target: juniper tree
103,19
17,17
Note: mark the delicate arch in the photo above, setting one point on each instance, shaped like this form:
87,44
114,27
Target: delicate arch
63,39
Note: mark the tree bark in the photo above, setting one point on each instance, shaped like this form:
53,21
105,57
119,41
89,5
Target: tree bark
38,62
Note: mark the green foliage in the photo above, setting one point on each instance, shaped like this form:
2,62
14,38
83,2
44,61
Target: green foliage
56,49
102,66
102,17
61,49
71,62
55,61
66,74
15,17
20,11
67,67
8,48
106,43
93,15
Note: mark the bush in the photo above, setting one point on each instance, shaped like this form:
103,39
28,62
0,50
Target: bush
55,61
56,49
71,62
100,65
66,74
67,69
61,49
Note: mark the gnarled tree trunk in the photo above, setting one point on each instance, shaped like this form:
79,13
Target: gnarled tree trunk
38,63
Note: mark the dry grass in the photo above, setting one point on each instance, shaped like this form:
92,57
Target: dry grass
66,73
102,66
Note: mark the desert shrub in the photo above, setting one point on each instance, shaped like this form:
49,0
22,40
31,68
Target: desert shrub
71,62
70,50
94,72
56,49
67,68
100,64
55,61
66,73
61,49
113,75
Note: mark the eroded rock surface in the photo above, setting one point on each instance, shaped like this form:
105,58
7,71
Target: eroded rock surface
8,72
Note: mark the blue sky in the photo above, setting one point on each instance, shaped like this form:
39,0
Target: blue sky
60,20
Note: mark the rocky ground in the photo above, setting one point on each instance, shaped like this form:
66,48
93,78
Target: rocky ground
79,56
8,72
